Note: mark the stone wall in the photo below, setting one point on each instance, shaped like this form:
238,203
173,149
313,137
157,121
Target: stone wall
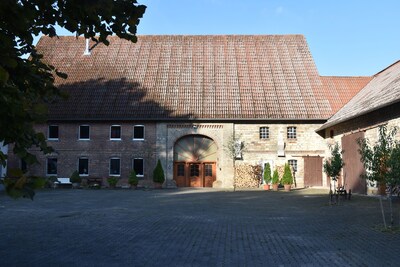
260,151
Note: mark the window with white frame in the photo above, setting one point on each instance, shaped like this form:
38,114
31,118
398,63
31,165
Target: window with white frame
51,168
138,132
115,167
264,132
291,132
138,166
83,166
115,132
53,132
84,132
293,163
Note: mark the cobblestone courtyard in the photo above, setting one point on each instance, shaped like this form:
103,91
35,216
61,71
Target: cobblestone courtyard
193,227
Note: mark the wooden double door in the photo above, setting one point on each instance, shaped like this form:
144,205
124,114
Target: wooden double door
194,174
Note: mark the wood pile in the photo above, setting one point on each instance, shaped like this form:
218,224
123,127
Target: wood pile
248,176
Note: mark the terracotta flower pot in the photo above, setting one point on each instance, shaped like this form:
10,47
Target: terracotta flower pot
287,187
275,187
266,187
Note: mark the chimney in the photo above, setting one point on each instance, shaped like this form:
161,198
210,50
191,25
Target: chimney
87,52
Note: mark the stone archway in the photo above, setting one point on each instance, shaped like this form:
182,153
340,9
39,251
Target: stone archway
195,158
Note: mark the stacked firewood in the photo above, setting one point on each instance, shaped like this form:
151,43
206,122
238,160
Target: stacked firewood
248,176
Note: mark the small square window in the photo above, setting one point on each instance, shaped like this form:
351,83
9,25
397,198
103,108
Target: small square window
53,132
138,132
84,132
115,167
138,166
264,132
293,163
115,133
51,166
83,166
291,133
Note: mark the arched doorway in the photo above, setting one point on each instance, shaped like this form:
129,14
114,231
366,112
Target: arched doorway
195,158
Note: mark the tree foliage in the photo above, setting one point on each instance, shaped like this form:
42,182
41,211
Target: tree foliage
334,165
158,173
27,84
275,177
267,173
380,160
287,177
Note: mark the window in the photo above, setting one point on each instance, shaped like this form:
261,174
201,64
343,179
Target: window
83,166
208,170
264,132
138,132
293,164
115,133
53,132
291,132
138,166
84,132
115,167
181,169
51,166
194,170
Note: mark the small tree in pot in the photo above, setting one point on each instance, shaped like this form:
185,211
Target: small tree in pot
158,175
75,179
133,180
112,181
267,176
275,180
287,179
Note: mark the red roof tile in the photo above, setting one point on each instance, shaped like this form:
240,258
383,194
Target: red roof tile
199,77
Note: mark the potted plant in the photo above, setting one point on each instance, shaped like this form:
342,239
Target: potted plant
158,175
133,180
75,179
267,176
275,180
287,178
112,181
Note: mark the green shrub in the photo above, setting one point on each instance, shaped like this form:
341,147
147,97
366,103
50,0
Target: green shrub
133,180
287,175
112,181
75,178
158,173
267,173
275,177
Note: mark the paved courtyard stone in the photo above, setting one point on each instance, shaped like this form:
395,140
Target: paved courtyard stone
194,227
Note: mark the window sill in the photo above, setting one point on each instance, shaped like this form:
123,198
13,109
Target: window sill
115,139
83,139
138,139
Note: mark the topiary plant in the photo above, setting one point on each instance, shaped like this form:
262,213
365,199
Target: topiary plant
133,180
112,181
287,177
275,177
267,173
75,178
158,174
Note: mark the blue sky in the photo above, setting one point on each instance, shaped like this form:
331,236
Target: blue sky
346,37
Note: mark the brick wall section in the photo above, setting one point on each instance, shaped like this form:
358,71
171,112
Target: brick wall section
99,149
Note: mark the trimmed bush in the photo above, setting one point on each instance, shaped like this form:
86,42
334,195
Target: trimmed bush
133,180
267,173
287,175
75,178
158,173
275,177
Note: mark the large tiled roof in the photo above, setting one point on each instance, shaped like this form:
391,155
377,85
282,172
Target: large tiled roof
339,90
197,77
383,90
